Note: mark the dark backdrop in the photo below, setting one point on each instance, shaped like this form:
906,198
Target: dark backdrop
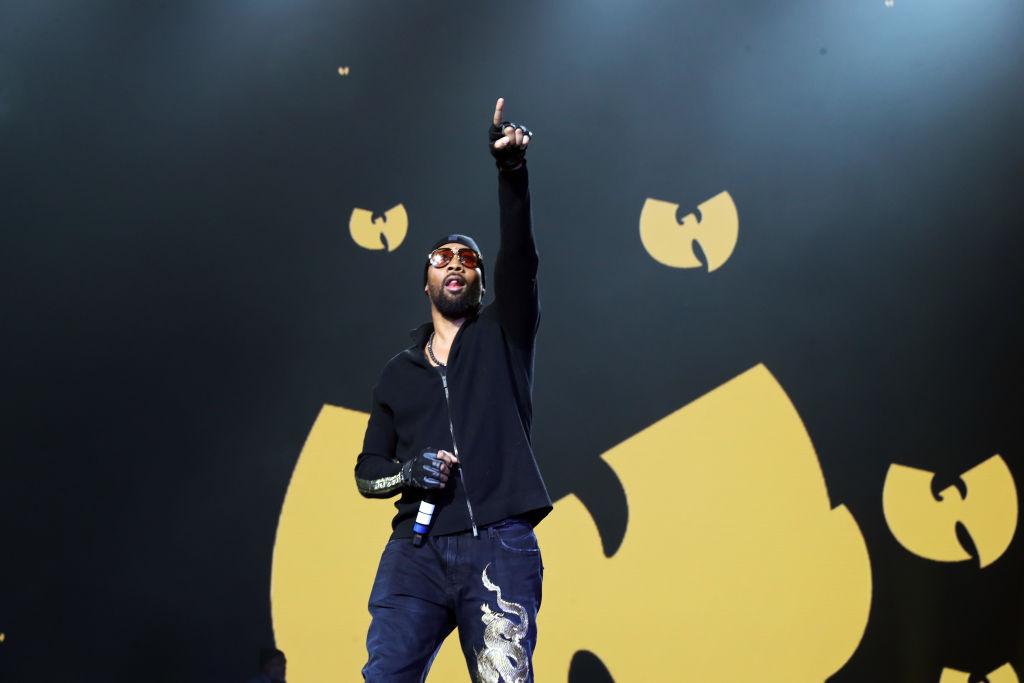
181,295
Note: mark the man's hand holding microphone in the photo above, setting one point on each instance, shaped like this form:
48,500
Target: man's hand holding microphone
429,471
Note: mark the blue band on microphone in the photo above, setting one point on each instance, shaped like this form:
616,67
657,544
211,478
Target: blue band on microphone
423,518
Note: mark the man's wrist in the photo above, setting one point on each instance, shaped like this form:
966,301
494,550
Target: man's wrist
510,169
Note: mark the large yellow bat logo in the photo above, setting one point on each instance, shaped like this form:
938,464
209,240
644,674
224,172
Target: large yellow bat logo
927,527
670,242
387,232
734,567
1004,674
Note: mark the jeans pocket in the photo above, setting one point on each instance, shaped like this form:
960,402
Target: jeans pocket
517,537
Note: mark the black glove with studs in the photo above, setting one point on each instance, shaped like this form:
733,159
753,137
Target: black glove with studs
511,156
425,471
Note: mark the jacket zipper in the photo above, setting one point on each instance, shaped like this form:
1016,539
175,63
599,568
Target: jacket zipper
455,447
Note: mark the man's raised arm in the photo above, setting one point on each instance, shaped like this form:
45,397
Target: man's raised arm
515,268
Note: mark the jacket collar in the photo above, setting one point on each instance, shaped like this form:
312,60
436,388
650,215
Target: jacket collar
420,334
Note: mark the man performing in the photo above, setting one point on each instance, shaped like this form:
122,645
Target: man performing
450,423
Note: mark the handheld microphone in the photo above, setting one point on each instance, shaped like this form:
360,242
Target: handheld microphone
430,473
423,519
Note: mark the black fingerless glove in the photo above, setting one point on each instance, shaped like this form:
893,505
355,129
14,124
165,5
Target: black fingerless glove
423,471
508,157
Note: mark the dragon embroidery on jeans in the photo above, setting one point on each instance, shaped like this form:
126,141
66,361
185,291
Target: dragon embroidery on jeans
503,659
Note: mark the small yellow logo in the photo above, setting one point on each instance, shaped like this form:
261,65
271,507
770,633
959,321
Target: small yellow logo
927,527
387,232
670,242
1004,674
343,71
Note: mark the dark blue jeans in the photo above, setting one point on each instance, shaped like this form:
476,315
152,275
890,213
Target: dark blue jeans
489,587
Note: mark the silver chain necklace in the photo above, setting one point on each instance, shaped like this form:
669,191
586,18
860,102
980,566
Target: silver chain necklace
430,351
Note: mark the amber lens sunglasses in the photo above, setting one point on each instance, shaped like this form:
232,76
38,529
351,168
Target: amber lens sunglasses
439,258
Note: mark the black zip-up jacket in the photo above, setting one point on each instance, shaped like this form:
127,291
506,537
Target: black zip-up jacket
490,385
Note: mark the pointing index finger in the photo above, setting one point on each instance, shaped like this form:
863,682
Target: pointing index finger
498,106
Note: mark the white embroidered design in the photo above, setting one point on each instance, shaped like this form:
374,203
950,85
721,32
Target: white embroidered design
503,659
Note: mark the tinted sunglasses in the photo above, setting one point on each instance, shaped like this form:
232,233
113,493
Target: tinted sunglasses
439,258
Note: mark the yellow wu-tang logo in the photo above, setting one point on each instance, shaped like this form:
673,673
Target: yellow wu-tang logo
927,527
735,566
1004,674
670,242
387,232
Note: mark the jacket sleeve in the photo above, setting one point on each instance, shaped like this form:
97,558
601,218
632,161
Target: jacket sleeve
378,472
515,268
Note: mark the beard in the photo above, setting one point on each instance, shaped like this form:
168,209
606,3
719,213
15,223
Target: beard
456,306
